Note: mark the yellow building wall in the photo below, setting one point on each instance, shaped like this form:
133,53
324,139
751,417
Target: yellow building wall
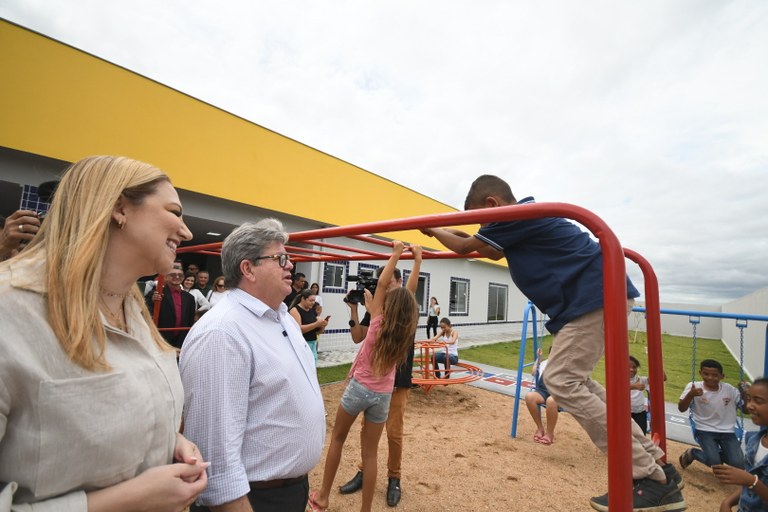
63,103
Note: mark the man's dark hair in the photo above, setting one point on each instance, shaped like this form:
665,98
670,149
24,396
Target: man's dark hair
298,275
396,274
635,360
711,363
485,186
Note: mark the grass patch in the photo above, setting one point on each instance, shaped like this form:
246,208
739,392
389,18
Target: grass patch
676,350
676,354
333,373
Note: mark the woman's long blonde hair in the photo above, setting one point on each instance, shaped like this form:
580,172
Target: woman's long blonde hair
73,239
400,316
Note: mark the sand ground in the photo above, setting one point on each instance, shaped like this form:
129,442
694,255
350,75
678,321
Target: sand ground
458,456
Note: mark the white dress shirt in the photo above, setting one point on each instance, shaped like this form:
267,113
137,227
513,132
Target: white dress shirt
252,403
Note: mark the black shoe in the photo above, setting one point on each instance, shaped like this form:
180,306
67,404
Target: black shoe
648,496
353,485
673,475
686,458
393,492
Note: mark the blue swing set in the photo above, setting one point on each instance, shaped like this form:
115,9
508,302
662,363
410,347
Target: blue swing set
741,324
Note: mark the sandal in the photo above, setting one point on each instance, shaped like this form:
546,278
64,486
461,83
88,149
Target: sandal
312,504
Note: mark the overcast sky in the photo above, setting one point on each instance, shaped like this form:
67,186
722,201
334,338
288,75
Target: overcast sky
651,114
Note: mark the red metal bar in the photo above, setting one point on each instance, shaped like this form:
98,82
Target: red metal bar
615,313
655,360
199,248
347,248
160,279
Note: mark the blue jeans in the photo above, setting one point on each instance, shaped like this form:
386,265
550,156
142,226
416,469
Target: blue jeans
440,358
357,398
718,447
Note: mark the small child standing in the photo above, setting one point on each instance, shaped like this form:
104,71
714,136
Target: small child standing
713,412
752,496
638,387
394,317
540,396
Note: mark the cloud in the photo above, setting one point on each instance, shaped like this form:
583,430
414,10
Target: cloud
650,114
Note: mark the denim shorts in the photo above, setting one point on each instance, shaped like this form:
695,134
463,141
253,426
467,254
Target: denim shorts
357,398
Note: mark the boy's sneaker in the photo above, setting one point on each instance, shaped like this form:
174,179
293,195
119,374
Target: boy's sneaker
686,458
673,476
648,496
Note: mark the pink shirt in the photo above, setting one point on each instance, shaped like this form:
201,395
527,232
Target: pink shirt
361,368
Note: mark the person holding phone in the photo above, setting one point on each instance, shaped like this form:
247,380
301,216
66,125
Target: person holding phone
303,310
18,229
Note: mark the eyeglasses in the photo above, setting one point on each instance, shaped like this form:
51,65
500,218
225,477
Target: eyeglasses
282,259
174,274
219,285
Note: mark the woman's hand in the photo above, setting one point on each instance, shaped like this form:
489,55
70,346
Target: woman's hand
186,451
171,488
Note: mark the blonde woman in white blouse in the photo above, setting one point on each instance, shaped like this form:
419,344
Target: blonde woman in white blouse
90,395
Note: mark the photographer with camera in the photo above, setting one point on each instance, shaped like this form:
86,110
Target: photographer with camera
402,386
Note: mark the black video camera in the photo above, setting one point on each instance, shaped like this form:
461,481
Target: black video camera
365,281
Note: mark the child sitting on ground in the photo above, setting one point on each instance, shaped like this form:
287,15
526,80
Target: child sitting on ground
752,496
713,413
394,317
540,396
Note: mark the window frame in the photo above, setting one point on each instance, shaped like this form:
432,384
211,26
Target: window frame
344,273
452,303
505,288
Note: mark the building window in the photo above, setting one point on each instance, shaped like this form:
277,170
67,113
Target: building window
497,302
459,305
422,290
334,276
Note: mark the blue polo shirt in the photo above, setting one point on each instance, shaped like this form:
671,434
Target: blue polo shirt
554,263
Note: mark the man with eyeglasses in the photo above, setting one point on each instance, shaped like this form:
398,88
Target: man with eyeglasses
177,308
252,403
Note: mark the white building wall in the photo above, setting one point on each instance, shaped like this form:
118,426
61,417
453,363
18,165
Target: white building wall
754,335
473,325
680,325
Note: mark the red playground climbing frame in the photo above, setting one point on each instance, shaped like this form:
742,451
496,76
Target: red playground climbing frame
615,301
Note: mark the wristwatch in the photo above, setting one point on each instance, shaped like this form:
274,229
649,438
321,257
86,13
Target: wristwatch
352,323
